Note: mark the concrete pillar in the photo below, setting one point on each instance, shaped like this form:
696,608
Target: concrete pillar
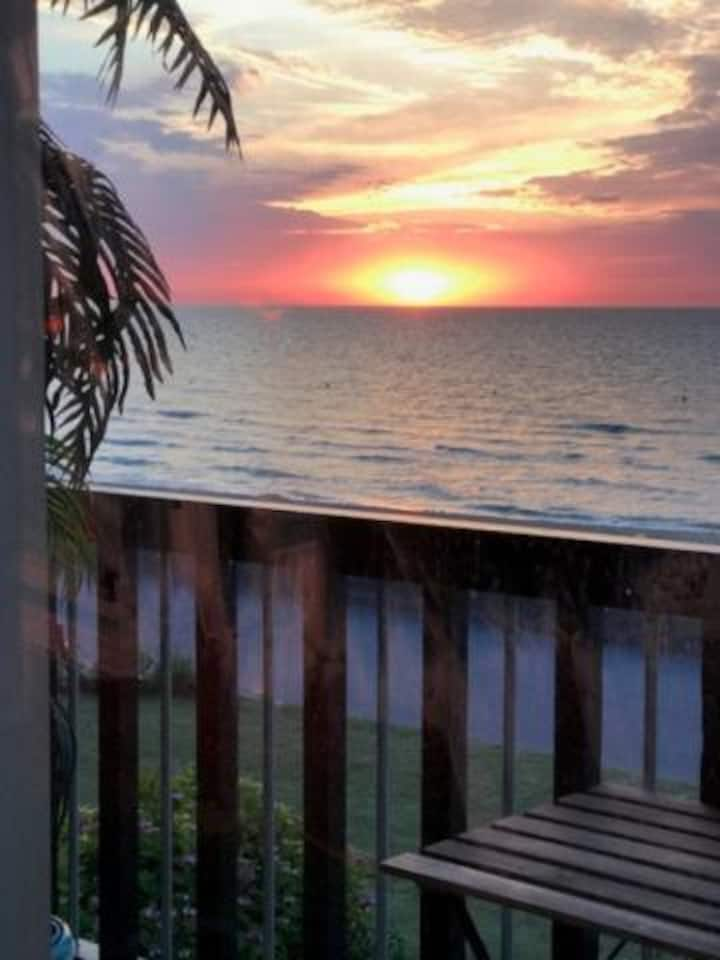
24,778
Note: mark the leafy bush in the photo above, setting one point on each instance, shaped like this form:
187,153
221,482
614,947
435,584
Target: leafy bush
288,867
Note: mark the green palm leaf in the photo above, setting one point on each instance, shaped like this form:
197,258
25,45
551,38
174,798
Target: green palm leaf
70,549
166,27
107,302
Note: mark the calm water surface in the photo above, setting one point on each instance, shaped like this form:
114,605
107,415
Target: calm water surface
608,417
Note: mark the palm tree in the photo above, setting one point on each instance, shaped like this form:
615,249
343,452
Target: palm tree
107,302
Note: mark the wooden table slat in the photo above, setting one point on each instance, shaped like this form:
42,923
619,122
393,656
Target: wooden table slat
655,836
652,816
579,883
454,878
660,801
612,846
663,879
600,862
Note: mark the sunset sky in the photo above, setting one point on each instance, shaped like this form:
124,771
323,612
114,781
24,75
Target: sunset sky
449,151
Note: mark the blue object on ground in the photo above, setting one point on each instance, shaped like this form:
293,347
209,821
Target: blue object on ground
62,944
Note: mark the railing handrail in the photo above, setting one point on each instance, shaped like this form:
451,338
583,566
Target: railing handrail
546,529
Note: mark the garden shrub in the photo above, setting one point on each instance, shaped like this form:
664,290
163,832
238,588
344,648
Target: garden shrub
288,866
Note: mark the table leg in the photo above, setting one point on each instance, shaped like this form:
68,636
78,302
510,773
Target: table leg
470,931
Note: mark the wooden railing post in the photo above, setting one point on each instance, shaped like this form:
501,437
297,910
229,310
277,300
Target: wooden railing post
217,735
116,523
382,769
324,744
161,517
444,753
578,714
269,774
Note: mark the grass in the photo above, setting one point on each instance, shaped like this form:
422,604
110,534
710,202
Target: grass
533,784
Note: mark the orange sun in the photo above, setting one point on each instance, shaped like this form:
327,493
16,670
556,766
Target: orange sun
418,281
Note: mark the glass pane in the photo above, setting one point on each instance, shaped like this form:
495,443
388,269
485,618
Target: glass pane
385,578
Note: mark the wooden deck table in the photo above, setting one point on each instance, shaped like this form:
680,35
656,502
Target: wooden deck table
642,866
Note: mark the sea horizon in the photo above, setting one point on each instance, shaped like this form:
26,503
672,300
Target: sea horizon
529,416
438,307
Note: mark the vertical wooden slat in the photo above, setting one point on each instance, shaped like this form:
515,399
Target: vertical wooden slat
509,697
166,742
118,727
578,703
324,757
73,813
268,671
578,721
710,761
444,753
217,735
653,636
382,827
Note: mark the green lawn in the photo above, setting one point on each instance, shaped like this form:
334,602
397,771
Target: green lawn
533,778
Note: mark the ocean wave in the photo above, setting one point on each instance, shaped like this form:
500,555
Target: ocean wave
461,451
134,442
260,473
479,454
353,448
180,414
237,449
379,458
610,428
433,491
125,461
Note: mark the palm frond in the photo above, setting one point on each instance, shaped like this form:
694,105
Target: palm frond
167,28
70,549
107,301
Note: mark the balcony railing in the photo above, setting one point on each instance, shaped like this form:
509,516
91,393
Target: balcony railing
579,576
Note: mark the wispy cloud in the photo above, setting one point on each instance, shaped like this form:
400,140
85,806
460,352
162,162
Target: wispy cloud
614,27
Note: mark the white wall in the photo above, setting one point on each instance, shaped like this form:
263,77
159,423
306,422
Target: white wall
24,900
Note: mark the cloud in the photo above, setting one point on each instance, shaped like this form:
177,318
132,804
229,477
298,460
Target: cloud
674,166
478,126
613,27
651,172
703,79
670,150
209,216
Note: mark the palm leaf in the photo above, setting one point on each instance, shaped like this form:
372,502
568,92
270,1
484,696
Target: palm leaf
69,543
107,302
166,27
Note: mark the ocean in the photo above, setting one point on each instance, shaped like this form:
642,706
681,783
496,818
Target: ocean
607,417
591,417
